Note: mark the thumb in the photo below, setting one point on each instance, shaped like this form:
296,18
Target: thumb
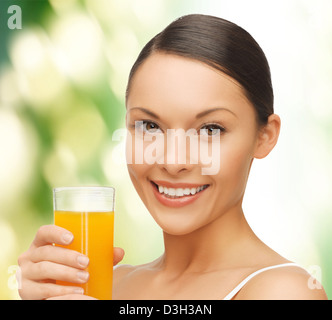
118,254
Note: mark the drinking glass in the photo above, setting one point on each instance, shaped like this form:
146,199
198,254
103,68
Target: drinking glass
88,213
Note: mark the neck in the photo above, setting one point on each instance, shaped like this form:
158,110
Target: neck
218,244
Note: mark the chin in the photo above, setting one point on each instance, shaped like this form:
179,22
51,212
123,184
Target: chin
178,226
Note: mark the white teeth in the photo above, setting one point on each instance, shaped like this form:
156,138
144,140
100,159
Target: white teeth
186,191
180,192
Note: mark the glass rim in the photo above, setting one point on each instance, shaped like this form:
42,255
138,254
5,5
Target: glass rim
57,189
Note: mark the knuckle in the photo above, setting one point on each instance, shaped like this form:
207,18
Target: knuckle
40,253
24,289
21,258
23,294
41,231
45,291
42,268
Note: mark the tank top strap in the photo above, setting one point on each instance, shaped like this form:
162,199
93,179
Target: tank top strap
243,282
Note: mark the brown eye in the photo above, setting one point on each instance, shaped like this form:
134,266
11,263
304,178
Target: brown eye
212,129
146,126
151,127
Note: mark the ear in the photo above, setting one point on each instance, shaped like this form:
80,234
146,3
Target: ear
267,137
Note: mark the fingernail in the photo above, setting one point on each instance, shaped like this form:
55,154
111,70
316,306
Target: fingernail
83,261
83,276
67,238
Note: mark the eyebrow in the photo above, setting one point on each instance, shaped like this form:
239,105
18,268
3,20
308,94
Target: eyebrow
150,113
203,113
199,115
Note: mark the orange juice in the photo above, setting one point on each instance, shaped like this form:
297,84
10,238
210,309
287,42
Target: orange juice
93,236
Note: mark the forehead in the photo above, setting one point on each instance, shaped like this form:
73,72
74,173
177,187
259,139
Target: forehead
170,82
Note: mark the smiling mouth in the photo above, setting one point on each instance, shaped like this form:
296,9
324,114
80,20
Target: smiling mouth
175,193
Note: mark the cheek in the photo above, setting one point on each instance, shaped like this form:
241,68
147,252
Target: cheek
138,172
143,150
138,169
137,175
235,161
234,158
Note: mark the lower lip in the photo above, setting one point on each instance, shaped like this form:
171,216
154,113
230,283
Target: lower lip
176,202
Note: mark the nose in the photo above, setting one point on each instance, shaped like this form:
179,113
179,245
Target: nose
176,169
179,156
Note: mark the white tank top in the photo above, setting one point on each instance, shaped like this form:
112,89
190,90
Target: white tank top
243,282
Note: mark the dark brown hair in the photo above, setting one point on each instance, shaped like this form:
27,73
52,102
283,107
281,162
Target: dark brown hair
223,45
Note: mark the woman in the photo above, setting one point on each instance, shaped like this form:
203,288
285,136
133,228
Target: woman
204,78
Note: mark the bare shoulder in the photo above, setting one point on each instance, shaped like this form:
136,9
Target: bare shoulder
286,283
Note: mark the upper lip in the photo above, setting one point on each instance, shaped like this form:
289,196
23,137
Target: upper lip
177,184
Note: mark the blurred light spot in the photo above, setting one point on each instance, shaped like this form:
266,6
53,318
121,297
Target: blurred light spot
82,132
60,167
7,240
78,42
17,150
9,90
102,9
39,79
121,50
28,50
8,256
61,5
111,13
148,12
113,162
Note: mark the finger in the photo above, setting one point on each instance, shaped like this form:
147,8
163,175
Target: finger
60,255
49,234
37,291
46,270
118,254
72,297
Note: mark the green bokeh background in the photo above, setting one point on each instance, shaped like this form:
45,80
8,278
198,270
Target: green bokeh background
62,84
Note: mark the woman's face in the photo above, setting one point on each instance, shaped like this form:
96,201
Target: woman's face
169,93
